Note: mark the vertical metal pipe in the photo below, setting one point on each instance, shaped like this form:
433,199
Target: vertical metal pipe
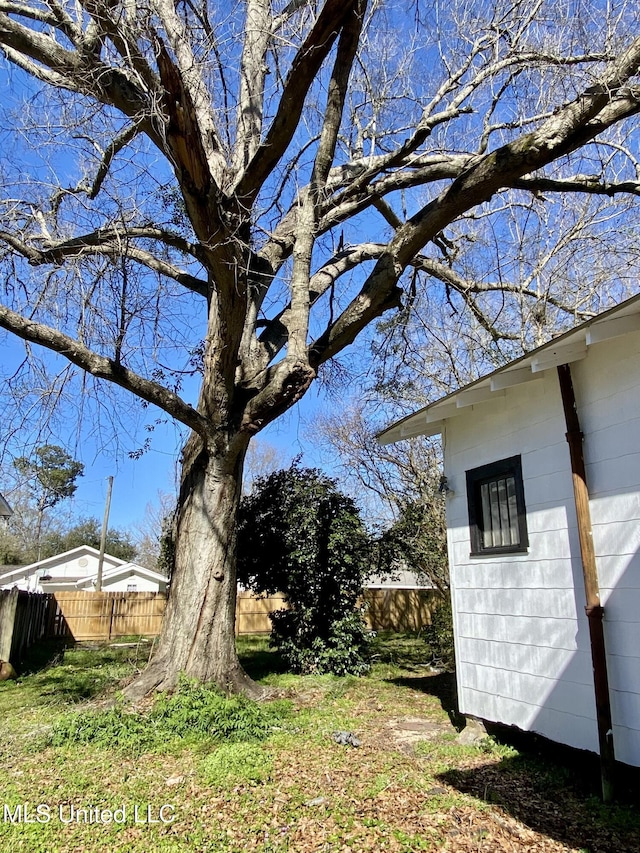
103,535
594,609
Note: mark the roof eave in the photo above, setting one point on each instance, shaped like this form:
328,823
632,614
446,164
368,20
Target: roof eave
567,348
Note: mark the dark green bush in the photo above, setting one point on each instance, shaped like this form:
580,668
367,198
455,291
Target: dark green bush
344,650
300,536
439,634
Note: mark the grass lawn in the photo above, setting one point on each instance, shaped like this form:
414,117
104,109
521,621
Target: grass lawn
80,775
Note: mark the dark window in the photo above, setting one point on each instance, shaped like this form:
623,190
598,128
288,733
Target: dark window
497,518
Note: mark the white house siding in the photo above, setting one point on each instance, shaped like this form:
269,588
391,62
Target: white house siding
520,627
607,386
76,566
521,632
120,583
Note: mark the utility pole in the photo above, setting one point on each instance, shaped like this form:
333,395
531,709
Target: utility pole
103,535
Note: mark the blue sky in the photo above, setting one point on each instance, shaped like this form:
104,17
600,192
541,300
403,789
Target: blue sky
137,481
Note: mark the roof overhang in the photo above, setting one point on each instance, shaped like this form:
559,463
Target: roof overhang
125,570
567,348
5,509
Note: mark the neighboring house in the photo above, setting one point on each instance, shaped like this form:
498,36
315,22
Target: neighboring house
522,636
78,569
5,509
399,578
399,601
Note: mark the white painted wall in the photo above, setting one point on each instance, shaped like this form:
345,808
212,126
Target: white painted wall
120,583
76,565
521,632
608,394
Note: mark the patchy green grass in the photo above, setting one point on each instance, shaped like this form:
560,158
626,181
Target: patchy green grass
236,764
201,772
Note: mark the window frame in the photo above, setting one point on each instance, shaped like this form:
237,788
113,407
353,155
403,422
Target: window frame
477,477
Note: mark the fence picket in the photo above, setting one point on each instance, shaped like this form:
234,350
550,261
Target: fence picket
26,617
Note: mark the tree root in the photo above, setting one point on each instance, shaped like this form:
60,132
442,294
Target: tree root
158,677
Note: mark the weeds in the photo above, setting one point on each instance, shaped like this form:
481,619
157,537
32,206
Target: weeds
236,763
270,778
194,712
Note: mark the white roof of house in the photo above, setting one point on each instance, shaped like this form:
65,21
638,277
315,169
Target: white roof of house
5,509
123,570
565,349
65,556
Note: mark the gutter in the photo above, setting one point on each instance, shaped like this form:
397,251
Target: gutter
594,609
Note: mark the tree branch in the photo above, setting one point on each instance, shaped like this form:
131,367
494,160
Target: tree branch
275,335
304,68
83,72
253,69
112,242
379,293
590,184
571,127
191,94
113,149
452,279
56,18
307,221
103,368
348,202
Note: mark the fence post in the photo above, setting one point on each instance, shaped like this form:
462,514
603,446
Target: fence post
8,606
113,607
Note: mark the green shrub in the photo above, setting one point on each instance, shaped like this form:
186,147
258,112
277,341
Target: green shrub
439,634
114,728
194,711
299,535
344,651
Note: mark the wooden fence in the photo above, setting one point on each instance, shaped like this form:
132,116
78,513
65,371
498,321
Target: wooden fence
105,615
402,610
252,614
26,617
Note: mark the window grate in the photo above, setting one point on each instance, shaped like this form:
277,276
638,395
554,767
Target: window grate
497,517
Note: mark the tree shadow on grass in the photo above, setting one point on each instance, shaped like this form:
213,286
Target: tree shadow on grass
558,798
43,655
442,685
259,660
406,650
65,671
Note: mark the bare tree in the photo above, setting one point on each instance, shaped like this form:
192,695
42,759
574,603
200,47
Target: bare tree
404,482
148,533
262,459
224,196
391,474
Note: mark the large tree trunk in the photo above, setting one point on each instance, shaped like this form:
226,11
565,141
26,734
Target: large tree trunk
198,633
